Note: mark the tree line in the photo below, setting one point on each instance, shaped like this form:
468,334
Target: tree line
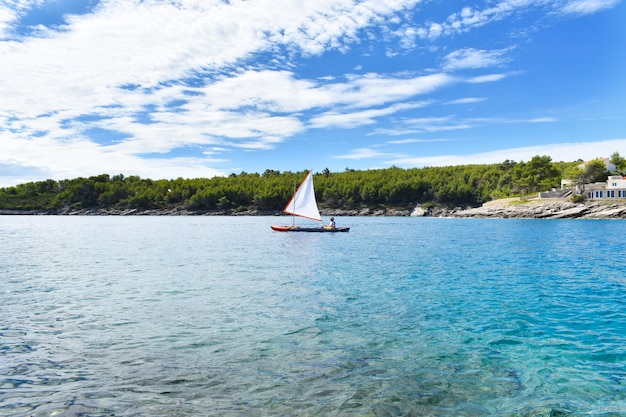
451,186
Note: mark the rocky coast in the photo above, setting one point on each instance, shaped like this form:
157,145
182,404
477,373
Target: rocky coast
545,209
507,209
513,208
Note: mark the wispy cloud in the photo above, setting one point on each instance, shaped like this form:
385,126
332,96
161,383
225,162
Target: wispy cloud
488,78
127,62
543,120
74,158
466,100
409,126
358,118
364,153
10,11
414,140
436,124
129,86
583,7
471,18
558,152
474,58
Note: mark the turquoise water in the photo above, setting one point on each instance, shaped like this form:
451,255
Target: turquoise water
220,316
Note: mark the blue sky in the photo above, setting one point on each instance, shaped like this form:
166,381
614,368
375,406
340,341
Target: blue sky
198,88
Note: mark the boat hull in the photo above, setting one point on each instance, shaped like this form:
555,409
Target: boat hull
309,229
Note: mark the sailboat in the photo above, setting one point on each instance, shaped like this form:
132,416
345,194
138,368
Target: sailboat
303,204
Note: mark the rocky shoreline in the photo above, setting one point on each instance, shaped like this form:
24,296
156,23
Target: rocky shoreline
184,212
505,209
546,209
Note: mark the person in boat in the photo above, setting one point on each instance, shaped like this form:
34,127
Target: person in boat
331,225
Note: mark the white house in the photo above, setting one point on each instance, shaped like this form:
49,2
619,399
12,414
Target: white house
610,167
614,187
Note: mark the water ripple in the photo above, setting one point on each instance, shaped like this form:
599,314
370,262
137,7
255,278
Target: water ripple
426,317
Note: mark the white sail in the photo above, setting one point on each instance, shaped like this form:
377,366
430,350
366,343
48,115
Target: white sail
303,202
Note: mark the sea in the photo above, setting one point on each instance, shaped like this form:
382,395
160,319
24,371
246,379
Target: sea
401,316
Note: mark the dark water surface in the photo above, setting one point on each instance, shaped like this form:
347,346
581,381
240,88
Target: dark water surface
220,316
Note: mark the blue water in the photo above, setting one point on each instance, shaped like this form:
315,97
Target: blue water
220,316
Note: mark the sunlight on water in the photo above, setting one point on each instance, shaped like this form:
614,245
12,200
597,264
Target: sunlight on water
171,316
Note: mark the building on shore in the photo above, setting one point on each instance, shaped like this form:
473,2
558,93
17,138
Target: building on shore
614,187
610,166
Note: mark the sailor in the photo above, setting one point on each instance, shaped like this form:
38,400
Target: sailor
332,223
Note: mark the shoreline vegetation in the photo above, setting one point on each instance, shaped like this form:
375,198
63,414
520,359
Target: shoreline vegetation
505,190
510,208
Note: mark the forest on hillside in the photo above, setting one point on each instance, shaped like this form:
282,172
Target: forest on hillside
451,186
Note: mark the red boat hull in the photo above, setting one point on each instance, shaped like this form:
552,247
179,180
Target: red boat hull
309,229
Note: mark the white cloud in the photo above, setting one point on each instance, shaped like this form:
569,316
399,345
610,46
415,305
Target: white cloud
409,141
199,70
410,126
582,7
543,120
359,118
375,89
364,153
146,44
466,100
468,18
567,152
489,78
392,131
131,57
10,11
474,58
70,159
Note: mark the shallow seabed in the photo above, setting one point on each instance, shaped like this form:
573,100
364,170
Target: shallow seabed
220,316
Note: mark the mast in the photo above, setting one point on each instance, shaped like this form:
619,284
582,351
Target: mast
293,216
